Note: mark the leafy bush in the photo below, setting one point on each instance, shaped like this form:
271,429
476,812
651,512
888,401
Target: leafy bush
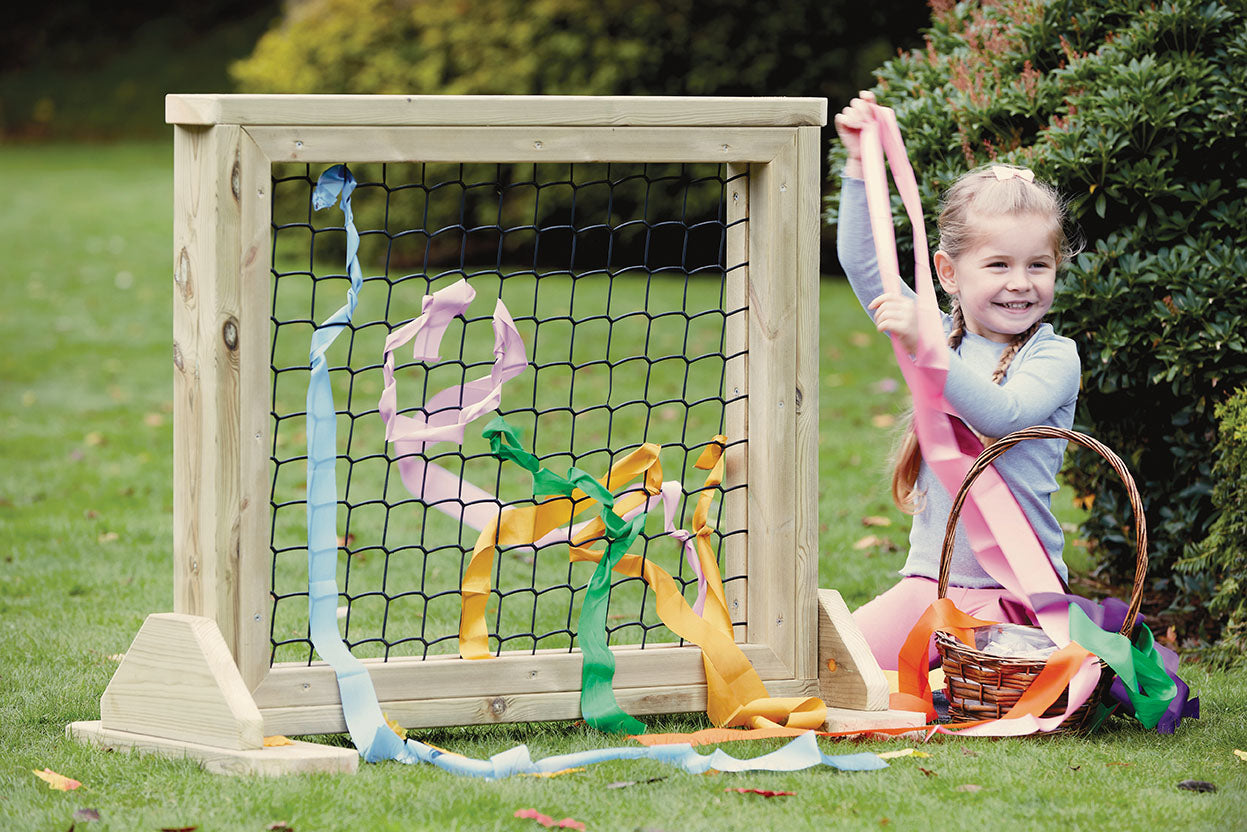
1222,555
1131,108
586,47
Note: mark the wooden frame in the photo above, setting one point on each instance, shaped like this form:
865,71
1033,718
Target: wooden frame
224,148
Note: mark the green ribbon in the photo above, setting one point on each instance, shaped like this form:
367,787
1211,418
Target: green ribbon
1138,665
598,705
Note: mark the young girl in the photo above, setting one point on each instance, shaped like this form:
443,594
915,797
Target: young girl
1001,241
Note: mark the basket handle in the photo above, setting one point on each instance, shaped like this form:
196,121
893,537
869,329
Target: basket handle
993,451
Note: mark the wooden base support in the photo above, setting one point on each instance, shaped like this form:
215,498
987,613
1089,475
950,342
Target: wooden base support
178,693
848,675
844,719
296,758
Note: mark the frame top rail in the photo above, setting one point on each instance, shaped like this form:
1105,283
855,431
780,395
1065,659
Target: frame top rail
495,110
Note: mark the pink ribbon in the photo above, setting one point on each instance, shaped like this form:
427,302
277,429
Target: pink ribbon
996,527
445,416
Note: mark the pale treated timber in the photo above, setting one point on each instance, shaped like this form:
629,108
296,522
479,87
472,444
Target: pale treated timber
296,758
178,681
548,672
207,411
805,268
520,144
252,647
772,414
496,110
475,710
842,719
848,674
735,509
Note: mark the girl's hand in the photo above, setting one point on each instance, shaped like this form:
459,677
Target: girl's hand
897,315
849,124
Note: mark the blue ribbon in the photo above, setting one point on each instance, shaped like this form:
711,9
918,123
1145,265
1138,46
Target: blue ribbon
366,723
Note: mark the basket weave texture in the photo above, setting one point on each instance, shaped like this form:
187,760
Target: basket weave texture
985,686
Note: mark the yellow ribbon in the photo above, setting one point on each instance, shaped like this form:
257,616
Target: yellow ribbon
735,695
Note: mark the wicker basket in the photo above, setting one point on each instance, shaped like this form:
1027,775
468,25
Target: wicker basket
985,686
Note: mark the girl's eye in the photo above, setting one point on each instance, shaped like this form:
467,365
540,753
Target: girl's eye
996,264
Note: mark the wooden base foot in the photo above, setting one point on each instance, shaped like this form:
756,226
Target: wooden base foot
843,719
848,675
297,758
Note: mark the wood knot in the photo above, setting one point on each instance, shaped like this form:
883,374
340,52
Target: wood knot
235,181
498,706
798,398
182,275
178,361
229,334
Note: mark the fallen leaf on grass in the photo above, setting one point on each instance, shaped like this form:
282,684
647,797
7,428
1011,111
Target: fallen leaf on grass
1119,764
872,541
1242,755
108,537
86,814
280,824
1197,786
57,781
178,828
968,787
763,792
623,784
876,520
547,821
276,741
883,420
928,772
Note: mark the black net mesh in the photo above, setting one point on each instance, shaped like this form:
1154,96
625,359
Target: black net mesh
615,276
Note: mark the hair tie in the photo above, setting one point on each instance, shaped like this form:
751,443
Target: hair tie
1003,174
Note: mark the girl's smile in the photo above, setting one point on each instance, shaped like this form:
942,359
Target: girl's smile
1005,282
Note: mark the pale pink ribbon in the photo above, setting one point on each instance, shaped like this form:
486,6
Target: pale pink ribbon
448,412
996,527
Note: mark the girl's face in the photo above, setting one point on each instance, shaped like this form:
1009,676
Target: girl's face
1006,281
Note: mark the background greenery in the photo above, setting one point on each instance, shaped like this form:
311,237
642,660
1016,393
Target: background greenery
85,493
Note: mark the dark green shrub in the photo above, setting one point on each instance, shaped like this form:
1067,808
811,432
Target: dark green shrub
584,47
1223,554
1131,107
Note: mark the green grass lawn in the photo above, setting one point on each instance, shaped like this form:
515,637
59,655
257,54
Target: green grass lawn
85,531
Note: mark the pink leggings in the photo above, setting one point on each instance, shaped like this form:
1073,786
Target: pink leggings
886,620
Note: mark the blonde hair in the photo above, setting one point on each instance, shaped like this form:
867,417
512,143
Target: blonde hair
988,191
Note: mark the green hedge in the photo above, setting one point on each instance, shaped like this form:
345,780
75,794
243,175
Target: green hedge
1223,554
1132,108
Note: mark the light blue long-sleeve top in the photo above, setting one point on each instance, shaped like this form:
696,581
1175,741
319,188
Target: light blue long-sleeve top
1039,388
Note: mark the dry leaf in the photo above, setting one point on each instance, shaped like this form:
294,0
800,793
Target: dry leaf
876,520
883,420
178,828
968,787
94,438
280,824
872,541
276,741
108,537
86,815
1242,755
1197,786
859,339
763,792
57,781
928,772
153,420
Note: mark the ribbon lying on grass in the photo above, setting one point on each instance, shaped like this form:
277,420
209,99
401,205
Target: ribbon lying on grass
369,730
1001,537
